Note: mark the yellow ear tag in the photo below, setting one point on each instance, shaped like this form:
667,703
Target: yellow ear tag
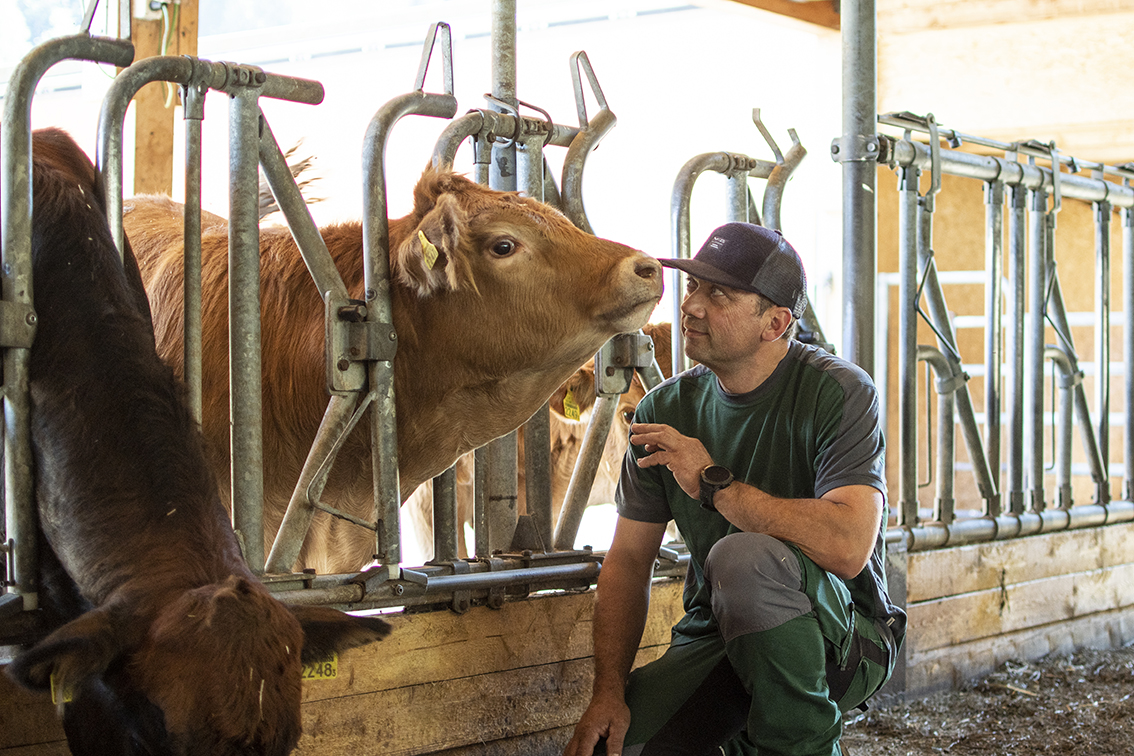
429,250
323,669
571,407
66,694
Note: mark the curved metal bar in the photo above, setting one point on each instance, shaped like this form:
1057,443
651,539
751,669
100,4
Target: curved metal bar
777,182
949,376
15,211
186,71
581,146
376,248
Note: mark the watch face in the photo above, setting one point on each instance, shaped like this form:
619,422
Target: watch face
716,475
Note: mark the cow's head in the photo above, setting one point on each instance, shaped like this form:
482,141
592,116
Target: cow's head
217,670
519,267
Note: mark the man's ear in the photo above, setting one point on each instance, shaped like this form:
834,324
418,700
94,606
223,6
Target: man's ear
781,319
77,651
430,260
326,631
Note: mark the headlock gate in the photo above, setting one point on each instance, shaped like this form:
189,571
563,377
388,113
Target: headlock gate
514,554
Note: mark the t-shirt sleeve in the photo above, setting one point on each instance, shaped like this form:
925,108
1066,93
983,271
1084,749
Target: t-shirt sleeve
852,449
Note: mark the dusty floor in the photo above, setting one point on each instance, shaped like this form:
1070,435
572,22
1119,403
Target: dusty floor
1081,704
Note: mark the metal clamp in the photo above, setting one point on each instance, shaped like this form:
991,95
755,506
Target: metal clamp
616,361
442,29
17,325
352,341
861,149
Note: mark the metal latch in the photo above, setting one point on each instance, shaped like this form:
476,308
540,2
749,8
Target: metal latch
616,361
351,342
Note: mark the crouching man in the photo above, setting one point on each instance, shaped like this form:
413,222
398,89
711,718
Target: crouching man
768,455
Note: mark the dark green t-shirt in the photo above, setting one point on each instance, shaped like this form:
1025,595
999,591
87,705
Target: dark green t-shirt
811,427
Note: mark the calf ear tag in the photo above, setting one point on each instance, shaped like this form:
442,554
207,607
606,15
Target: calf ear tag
428,249
323,669
571,407
59,694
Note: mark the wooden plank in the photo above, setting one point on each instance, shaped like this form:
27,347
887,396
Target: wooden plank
434,716
964,569
153,122
952,667
821,12
57,748
426,648
984,614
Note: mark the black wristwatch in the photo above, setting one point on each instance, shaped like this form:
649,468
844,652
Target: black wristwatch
713,479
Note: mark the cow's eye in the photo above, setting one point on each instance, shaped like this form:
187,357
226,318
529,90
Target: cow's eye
504,247
628,416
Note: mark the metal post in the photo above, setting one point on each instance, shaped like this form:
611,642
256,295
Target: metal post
907,345
244,327
859,180
994,253
16,202
1102,341
194,110
1128,348
1034,349
1014,342
500,498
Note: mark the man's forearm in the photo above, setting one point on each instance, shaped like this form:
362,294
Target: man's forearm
621,605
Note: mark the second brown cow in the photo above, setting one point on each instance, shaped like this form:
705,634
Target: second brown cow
515,300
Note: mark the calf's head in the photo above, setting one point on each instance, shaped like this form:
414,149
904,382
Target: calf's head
216,670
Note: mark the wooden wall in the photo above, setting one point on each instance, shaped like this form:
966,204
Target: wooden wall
974,607
501,682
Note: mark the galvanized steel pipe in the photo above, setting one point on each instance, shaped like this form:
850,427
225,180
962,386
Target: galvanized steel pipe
15,212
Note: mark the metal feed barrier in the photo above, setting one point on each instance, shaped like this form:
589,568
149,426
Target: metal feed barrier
1015,321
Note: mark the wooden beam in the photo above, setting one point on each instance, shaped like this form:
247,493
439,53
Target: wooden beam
902,16
821,12
153,119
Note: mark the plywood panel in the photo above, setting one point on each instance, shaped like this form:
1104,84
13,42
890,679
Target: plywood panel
949,572
25,718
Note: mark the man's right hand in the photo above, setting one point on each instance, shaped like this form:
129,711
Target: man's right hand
606,717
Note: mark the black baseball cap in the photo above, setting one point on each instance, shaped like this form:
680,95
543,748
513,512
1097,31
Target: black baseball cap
751,258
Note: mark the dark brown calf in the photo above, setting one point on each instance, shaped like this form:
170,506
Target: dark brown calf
165,640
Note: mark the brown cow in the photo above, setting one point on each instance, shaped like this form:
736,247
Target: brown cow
566,442
164,640
515,301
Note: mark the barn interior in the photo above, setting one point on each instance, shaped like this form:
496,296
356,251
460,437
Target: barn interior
965,197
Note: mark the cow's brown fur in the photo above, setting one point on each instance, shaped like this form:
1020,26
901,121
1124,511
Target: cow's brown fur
483,339
165,638
566,443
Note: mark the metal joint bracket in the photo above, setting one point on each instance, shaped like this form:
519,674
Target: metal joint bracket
352,341
17,325
1070,379
950,384
616,361
861,149
238,76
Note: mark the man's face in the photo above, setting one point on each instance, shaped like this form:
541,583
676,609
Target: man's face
721,325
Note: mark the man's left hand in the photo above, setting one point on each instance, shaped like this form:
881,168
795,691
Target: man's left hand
684,456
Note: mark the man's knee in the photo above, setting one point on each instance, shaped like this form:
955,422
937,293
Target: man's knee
755,583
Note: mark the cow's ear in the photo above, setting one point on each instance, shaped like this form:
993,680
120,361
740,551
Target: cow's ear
577,394
76,652
326,631
429,260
